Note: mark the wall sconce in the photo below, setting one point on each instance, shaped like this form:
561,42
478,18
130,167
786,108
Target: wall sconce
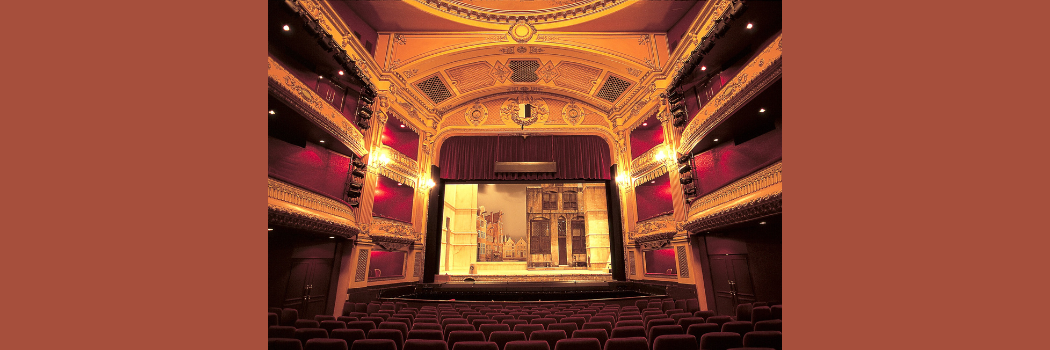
430,183
622,180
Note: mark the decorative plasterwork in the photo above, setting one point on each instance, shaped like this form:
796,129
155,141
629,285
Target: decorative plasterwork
758,181
476,114
521,31
572,113
362,265
304,220
646,167
759,73
683,265
509,110
401,167
702,25
308,103
283,191
391,235
755,196
570,11
655,233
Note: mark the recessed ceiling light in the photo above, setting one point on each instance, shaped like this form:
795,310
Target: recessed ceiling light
654,181
645,124
703,67
716,140
320,77
322,141
402,125
762,110
340,72
269,229
287,28
272,112
399,184
762,223
331,236
749,25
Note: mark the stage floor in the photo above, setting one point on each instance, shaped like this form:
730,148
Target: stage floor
529,276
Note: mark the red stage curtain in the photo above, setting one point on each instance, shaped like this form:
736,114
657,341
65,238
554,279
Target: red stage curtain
578,157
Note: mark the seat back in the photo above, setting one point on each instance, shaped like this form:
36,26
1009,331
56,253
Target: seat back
608,327
528,328
663,330
568,327
763,339
362,325
549,336
628,332
304,323
489,328
761,313
675,342
527,345
425,344
374,344
329,325
743,312
740,327
457,327
403,328
288,317
458,336
721,341
599,334
281,332
578,344
284,344
475,345
719,320
705,314
768,325
392,334
426,334
325,344
699,329
631,323
348,335
501,338
427,326
777,312
304,334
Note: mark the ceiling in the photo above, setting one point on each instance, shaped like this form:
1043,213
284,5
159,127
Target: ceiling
615,16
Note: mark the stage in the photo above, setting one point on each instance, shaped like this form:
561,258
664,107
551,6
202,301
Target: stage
517,272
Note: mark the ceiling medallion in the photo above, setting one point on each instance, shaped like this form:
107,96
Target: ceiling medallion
476,114
521,31
572,113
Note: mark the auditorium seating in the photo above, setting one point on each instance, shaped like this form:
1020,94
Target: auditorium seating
662,325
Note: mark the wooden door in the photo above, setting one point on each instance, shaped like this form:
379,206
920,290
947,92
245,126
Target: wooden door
307,289
731,281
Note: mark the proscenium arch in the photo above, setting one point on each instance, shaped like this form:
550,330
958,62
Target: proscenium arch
443,135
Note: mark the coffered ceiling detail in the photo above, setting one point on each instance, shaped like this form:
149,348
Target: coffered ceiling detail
499,111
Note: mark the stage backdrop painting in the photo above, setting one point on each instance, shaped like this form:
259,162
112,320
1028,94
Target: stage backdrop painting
524,229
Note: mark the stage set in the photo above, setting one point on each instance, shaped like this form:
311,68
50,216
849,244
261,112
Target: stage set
525,233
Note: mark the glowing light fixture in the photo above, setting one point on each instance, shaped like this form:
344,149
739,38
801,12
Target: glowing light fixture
272,112
749,25
269,229
715,140
340,72
762,223
430,183
645,124
402,125
762,110
331,236
287,28
703,67
322,141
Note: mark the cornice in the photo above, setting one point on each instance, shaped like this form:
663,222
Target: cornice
297,95
390,235
758,181
305,220
480,16
286,192
759,73
401,168
757,195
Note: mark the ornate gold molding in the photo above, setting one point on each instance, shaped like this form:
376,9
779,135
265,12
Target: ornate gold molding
755,196
308,103
401,167
646,167
283,191
323,13
702,25
478,15
759,73
760,180
288,217
391,235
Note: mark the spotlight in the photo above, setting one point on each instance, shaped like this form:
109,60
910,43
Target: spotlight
287,28
685,169
749,26
685,180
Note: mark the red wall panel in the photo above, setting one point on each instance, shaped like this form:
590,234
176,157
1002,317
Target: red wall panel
313,167
729,162
401,139
647,136
654,198
393,201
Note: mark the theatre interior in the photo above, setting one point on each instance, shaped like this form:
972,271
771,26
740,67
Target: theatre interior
524,175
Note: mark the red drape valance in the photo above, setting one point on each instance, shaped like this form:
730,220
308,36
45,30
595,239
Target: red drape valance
578,157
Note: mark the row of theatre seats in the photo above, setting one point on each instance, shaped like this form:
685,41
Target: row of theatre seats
594,326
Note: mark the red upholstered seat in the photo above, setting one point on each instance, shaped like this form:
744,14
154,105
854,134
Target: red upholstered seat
663,330
527,345
304,334
489,328
304,323
374,344
628,332
392,334
281,332
458,336
549,336
348,335
675,342
632,343
457,327
567,327
430,334
720,340
699,329
501,338
528,328
764,339
425,344
599,334
739,327
284,344
768,325
475,345
325,344
578,344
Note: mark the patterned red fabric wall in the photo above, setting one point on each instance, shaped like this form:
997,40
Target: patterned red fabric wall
728,162
647,135
400,137
388,263
660,261
393,200
654,198
313,167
